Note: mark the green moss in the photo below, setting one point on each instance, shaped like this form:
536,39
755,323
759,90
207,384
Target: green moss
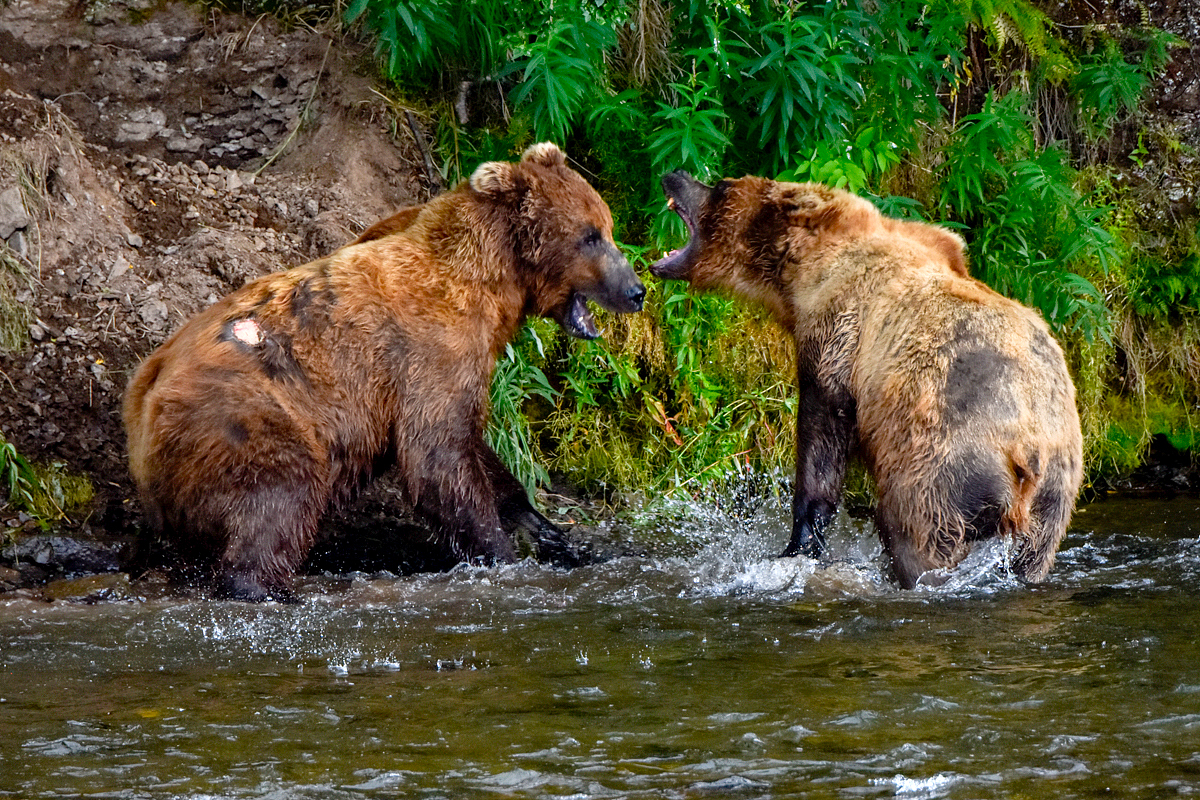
59,493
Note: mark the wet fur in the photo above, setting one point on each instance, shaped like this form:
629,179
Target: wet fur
394,224
379,354
958,399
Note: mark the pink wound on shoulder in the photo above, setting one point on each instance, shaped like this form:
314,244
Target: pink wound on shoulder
248,331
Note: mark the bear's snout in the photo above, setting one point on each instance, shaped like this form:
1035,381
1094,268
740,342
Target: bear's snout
635,295
621,290
688,198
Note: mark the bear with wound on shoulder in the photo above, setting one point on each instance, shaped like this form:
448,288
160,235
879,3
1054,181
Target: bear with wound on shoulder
289,395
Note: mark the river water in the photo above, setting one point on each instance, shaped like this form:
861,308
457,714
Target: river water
706,670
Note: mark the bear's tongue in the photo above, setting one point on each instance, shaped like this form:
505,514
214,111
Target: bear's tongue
579,320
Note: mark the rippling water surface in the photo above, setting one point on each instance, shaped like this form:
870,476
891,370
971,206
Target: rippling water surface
718,673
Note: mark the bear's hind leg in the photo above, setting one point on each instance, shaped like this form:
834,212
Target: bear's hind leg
909,543
1051,512
268,534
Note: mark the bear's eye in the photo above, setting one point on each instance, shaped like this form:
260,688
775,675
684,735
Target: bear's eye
592,237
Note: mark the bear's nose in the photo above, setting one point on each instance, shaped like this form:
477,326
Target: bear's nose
636,294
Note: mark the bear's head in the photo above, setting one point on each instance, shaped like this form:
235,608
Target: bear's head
752,236
562,238
740,230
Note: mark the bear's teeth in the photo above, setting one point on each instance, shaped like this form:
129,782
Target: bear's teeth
671,203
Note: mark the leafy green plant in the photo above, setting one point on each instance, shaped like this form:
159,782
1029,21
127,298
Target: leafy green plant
1161,288
517,378
1033,232
1112,80
803,84
1107,86
422,40
850,166
17,477
560,71
1023,25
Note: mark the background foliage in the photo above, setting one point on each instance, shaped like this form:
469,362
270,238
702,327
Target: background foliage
985,115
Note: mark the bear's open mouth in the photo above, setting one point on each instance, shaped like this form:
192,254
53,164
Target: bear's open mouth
671,265
577,318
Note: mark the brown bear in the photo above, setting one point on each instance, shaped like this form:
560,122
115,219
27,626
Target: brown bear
957,399
290,394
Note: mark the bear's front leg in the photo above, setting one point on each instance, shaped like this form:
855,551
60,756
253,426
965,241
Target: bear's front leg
553,546
458,500
825,422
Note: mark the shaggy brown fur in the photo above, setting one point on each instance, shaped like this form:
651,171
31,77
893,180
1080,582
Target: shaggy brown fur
291,393
393,224
958,399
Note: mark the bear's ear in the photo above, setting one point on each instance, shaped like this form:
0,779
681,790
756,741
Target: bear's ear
495,178
547,154
809,205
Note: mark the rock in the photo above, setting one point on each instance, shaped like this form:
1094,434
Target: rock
154,313
13,216
120,267
91,588
178,143
63,553
142,125
133,239
19,243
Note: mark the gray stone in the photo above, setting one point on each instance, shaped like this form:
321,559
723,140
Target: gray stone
19,243
153,313
119,268
142,125
64,553
13,216
182,144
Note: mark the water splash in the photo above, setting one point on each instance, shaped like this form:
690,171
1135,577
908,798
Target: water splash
920,788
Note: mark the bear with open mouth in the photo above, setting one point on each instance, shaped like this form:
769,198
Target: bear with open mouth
958,400
290,394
